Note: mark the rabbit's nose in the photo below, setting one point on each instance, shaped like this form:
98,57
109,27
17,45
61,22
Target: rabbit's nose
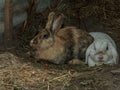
100,57
35,41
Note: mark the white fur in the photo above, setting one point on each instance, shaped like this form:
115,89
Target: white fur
103,50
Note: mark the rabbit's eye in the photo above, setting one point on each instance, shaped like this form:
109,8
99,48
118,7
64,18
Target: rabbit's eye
94,48
45,36
107,48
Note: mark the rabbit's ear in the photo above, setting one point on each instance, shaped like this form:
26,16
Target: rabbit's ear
50,20
88,51
114,52
57,23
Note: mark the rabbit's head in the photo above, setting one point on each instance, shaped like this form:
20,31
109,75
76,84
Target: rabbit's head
46,37
102,51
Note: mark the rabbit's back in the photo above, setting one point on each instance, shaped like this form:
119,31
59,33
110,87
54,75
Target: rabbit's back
75,39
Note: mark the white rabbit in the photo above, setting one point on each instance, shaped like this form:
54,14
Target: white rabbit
102,51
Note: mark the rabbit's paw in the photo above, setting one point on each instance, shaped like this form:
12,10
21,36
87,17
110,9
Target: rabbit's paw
76,61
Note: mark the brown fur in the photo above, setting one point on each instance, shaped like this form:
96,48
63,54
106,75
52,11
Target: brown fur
69,43
61,45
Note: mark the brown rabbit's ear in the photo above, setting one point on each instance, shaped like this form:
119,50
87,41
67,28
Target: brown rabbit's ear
50,20
57,23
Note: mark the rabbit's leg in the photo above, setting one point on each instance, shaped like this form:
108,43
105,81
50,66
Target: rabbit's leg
76,61
91,63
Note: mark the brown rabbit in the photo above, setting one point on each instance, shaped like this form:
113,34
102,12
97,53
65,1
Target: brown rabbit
60,45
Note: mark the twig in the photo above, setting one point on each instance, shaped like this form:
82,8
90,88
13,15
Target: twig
48,86
56,78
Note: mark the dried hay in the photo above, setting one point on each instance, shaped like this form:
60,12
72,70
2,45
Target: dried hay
15,75
18,74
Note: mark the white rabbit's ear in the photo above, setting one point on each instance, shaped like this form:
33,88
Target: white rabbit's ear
57,23
114,52
88,51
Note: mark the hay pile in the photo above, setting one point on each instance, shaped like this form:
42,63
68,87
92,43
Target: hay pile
15,75
18,74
